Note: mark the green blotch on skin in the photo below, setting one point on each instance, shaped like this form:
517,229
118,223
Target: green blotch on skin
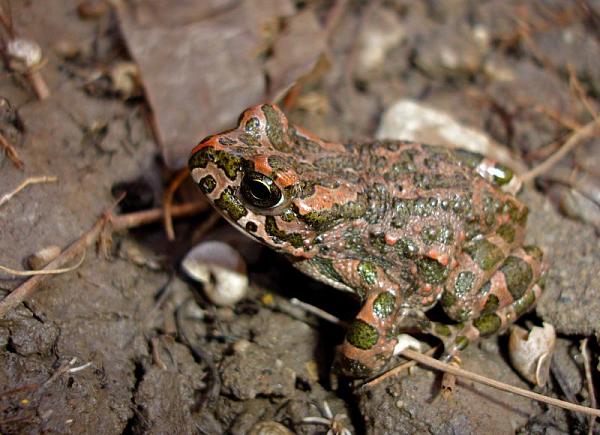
327,219
448,299
231,205
378,242
431,271
542,282
502,174
320,221
522,217
353,368
518,275
287,215
507,232
302,143
325,267
249,140
230,164
464,283
280,236
461,342
468,158
406,248
207,184
278,163
384,305
487,324
274,128
535,252
368,272
253,126
522,304
491,304
429,234
362,335
484,253
442,330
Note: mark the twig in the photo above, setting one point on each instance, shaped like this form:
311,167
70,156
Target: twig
11,152
139,218
31,180
319,312
168,201
568,122
573,140
395,371
43,271
580,92
590,381
438,365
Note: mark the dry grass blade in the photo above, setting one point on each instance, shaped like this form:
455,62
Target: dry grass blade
31,180
438,365
43,271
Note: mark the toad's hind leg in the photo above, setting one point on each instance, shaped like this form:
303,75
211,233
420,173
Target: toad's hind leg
512,290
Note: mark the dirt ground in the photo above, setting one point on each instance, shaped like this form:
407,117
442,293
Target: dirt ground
126,343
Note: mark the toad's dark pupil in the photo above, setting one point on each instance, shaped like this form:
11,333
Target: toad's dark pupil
259,190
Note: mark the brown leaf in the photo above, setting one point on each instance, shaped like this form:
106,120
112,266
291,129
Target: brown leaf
198,63
296,52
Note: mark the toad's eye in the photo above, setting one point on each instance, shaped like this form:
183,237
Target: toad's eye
260,191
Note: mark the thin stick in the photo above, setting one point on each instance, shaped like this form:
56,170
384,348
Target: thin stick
31,180
590,381
11,152
168,201
578,135
318,312
43,271
581,93
139,218
438,365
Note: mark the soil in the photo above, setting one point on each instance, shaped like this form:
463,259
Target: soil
127,344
